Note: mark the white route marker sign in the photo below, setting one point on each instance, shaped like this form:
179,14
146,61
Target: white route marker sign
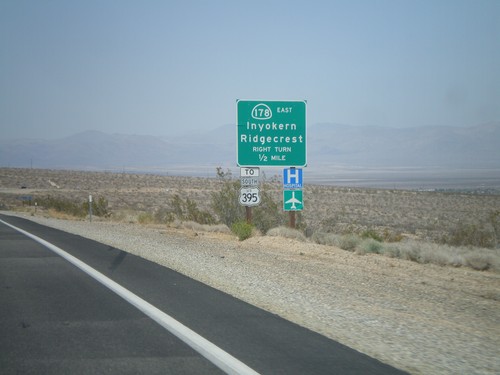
249,196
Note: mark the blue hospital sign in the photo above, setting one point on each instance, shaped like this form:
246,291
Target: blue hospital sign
292,178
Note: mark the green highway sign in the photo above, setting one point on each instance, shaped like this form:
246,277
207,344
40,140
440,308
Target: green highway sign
271,133
293,200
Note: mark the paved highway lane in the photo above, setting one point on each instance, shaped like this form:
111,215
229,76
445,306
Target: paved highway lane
56,319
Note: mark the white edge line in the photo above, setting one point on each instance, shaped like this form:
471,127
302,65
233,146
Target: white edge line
210,351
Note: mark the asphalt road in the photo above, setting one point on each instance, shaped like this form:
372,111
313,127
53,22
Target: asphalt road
56,319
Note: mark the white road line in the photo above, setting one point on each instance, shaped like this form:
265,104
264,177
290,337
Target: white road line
213,353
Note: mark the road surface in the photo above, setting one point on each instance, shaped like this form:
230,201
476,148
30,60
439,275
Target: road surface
57,319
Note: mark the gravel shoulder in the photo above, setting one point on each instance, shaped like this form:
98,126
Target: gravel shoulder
424,319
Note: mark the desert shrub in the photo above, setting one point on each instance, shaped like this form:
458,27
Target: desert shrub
74,208
349,242
287,233
225,204
163,216
369,245
392,250
268,214
200,216
370,233
214,228
99,207
177,224
442,255
187,210
410,251
472,234
445,255
329,224
126,215
145,218
323,238
494,220
242,229
390,236
416,251
177,206
64,205
482,260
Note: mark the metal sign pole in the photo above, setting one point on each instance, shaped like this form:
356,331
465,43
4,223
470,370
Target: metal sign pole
291,214
248,211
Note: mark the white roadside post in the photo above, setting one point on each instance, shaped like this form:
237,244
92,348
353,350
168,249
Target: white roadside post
90,207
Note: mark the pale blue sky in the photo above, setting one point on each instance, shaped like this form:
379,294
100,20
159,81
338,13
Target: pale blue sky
164,67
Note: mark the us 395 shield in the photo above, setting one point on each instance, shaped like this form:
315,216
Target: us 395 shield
249,196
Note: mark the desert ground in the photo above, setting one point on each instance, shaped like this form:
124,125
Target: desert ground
417,214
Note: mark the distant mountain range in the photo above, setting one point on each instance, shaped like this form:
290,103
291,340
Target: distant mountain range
327,144
454,147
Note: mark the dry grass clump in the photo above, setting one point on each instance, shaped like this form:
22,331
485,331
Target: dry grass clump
423,252
444,255
481,234
347,242
125,216
287,233
369,246
197,227
53,213
417,251
324,238
145,218
483,260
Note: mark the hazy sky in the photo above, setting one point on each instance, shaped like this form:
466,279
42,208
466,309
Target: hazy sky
164,67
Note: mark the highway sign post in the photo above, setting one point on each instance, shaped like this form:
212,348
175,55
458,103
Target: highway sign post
271,133
249,178
293,200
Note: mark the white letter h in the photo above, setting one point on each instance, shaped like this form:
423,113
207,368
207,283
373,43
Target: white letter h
293,173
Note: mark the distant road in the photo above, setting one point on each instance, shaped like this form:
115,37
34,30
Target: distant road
56,319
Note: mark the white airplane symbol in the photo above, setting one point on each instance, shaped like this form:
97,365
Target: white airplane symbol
293,200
